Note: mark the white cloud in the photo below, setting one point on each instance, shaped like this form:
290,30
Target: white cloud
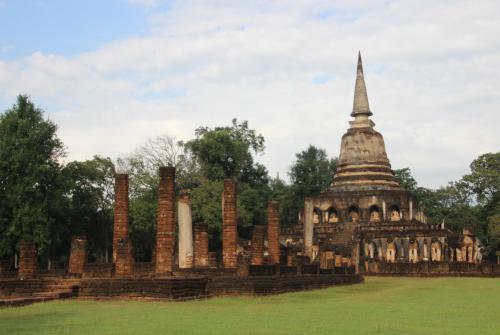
428,66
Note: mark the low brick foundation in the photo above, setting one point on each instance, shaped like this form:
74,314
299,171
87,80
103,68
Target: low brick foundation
431,269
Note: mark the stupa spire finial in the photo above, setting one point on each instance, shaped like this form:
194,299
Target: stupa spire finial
360,105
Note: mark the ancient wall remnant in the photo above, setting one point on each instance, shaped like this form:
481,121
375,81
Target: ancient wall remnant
185,230
78,254
28,263
123,255
257,247
200,245
273,230
229,228
165,221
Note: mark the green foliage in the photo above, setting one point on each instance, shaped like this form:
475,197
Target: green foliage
31,187
90,191
225,151
312,172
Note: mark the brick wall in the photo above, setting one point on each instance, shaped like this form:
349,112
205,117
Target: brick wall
229,229
200,245
78,254
257,248
165,230
273,229
28,263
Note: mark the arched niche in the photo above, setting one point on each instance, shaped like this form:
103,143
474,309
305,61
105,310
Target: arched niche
317,217
353,214
394,213
332,215
375,214
436,251
390,256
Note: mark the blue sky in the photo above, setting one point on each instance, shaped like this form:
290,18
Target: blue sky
67,27
113,73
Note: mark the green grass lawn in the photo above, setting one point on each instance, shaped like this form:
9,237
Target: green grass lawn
378,306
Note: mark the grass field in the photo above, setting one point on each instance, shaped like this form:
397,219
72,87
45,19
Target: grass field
378,306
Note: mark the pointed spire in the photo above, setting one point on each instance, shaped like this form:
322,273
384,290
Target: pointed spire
360,106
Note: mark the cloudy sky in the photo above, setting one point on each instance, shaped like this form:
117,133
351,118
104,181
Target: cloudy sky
112,73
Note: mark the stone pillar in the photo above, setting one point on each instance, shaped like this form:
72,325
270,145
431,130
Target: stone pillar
28,262
384,211
185,230
78,254
229,228
200,245
273,232
123,255
411,210
165,221
257,248
308,227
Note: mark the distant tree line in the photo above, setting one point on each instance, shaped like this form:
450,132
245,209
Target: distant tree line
48,201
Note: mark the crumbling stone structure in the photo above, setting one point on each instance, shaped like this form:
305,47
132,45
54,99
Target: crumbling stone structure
200,245
28,262
165,229
78,254
365,215
123,255
273,230
229,224
185,230
257,247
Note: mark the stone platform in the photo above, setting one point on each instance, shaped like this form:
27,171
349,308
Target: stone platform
15,292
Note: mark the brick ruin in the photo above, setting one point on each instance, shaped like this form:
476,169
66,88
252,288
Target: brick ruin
229,227
165,225
122,245
364,222
365,216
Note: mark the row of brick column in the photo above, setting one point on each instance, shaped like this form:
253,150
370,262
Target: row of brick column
193,250
273,243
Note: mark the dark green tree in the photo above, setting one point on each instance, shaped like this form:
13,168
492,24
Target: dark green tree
31,187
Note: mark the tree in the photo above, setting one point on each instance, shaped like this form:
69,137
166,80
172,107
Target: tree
225,151
31,188
312,172
90,190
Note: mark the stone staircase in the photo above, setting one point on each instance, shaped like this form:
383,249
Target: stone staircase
23,292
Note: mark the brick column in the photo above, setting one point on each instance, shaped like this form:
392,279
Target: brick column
200,245
257,247
229,228
123,255
308,228
78,254
165,221
273,232
28,263
185,230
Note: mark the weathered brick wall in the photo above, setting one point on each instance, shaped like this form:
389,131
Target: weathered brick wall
273,230
28,263
78,254
229,228
165,230
257,248
122,245
200,245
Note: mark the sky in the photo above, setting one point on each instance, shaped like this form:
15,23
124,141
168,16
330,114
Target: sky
113,73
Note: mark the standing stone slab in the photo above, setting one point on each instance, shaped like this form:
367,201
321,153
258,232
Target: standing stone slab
308,227
200,245
257,248
273,230
28,264
229,228
123,255
165,239
78,254
185,230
